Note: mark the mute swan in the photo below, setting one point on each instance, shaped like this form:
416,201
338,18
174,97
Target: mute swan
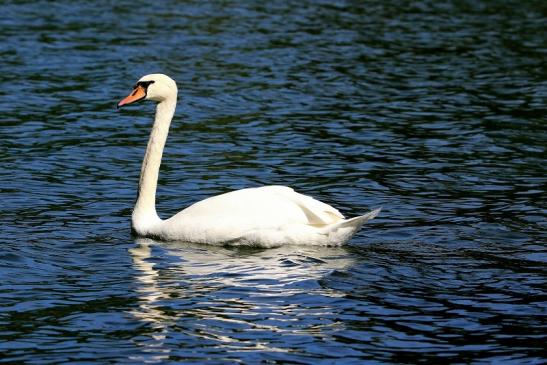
266,216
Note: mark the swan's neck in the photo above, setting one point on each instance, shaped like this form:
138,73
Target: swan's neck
144,215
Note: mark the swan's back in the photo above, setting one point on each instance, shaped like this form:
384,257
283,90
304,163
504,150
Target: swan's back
266,216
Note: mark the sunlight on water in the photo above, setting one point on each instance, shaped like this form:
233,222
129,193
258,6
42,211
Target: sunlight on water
434,111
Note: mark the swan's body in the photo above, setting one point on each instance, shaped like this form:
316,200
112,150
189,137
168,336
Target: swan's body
267,216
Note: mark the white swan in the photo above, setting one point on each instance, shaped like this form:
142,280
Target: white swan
266,216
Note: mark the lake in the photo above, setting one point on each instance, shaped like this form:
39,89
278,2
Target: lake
435,111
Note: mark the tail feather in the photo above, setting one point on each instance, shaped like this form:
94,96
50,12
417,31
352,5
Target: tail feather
358,221
341,232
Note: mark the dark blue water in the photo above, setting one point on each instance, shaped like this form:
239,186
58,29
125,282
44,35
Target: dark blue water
435,111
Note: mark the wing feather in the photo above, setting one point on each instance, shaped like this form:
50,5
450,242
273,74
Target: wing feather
316,212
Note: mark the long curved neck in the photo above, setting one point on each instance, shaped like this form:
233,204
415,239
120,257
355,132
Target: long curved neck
144,214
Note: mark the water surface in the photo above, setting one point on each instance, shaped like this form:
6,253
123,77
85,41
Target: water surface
434,111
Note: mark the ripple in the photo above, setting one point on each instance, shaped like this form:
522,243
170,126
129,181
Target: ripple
434,111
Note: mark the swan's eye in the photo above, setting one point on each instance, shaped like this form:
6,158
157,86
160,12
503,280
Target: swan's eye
144,84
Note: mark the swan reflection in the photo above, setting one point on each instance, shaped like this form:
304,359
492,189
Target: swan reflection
233,296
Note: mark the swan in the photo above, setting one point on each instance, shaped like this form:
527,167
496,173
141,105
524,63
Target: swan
267,216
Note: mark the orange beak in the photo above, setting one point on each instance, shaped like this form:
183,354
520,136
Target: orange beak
138,93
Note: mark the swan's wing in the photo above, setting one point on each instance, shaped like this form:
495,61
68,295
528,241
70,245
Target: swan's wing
265,208
267,216
270,205
317,213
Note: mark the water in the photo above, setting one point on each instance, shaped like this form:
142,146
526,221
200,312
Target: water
435,111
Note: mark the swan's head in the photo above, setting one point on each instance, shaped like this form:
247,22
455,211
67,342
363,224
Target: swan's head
156,87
